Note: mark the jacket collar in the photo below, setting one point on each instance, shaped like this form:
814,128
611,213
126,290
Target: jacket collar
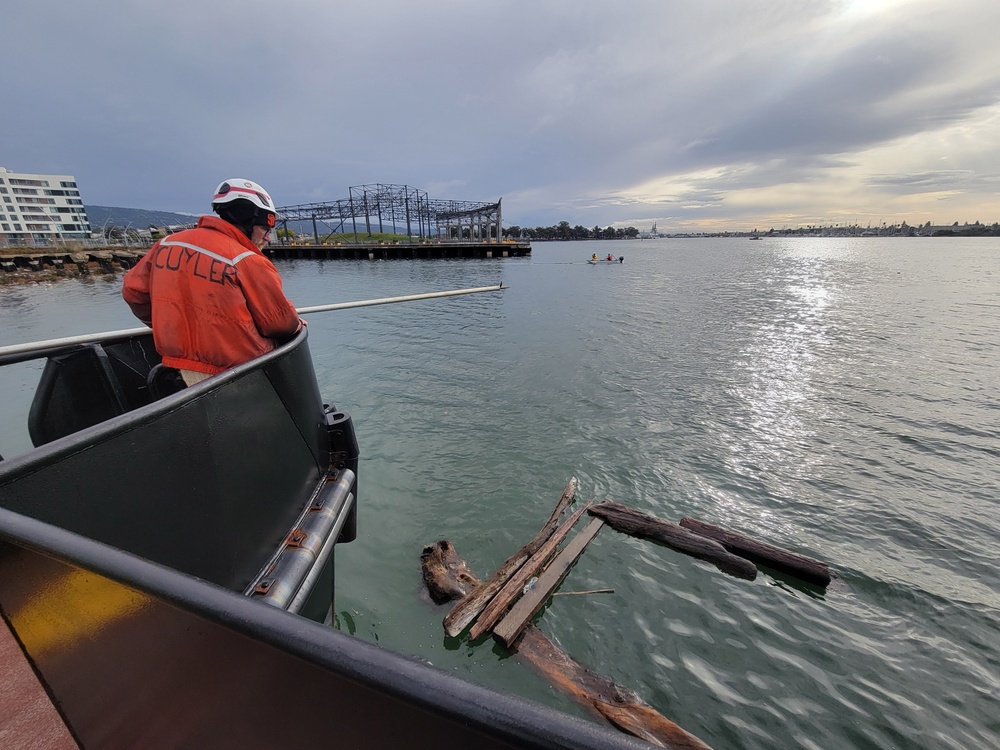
220,225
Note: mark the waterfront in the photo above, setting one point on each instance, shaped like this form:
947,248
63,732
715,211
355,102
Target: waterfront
835,396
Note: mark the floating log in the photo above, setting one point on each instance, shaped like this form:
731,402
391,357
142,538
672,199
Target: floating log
514,586
469,607
616,704
635,523
794,564
445,574
521,613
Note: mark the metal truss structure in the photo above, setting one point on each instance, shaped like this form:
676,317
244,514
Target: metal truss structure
394,207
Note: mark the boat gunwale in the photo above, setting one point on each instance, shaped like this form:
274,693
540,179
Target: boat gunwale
33,460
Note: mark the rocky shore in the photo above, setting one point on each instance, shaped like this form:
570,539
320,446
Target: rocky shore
17,266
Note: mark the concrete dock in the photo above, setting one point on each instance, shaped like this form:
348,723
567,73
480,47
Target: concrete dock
399,250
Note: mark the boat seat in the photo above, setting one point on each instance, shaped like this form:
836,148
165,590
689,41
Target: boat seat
78,389
163,380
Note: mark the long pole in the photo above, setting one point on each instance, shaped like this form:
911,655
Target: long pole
89,338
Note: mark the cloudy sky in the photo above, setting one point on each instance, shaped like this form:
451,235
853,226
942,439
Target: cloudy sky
695,114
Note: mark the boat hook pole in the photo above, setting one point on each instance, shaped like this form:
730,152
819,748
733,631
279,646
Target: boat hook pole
89,338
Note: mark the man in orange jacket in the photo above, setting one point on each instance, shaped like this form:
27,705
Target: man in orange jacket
210,295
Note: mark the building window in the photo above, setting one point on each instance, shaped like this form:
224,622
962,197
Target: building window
67,184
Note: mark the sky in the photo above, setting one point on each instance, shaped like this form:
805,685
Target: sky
698,115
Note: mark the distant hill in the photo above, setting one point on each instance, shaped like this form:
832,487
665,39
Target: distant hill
139,218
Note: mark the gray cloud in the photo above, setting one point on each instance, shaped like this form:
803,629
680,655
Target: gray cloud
558,107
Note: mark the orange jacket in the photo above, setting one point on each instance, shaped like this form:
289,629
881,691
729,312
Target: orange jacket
211,297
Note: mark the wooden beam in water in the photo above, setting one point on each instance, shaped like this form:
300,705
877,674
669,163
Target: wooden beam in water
792,563
514,587
469,607
521,613
635,523
614,703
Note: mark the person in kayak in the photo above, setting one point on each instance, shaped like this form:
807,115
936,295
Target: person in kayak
210,295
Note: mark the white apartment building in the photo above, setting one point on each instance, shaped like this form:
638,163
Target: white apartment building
40,209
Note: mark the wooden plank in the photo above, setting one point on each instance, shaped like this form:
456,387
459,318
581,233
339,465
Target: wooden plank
521,613
800,566
635,523
514,587
469,607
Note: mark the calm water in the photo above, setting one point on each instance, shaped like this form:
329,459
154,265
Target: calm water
837,397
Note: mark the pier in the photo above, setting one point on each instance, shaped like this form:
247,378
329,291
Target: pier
114,259
398,250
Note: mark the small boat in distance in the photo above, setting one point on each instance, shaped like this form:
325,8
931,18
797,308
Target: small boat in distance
595,261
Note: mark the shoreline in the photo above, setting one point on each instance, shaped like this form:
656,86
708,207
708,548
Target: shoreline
19,267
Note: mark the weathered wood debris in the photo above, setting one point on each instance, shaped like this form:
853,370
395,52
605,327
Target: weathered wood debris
505,603
616,704
643,526
780,559
470,606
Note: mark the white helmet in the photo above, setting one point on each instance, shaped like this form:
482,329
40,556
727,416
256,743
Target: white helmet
260,209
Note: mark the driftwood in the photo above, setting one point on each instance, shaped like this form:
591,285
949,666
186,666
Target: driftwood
466,610
780,559
445,574
616,704
635,523
514,586
511,626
